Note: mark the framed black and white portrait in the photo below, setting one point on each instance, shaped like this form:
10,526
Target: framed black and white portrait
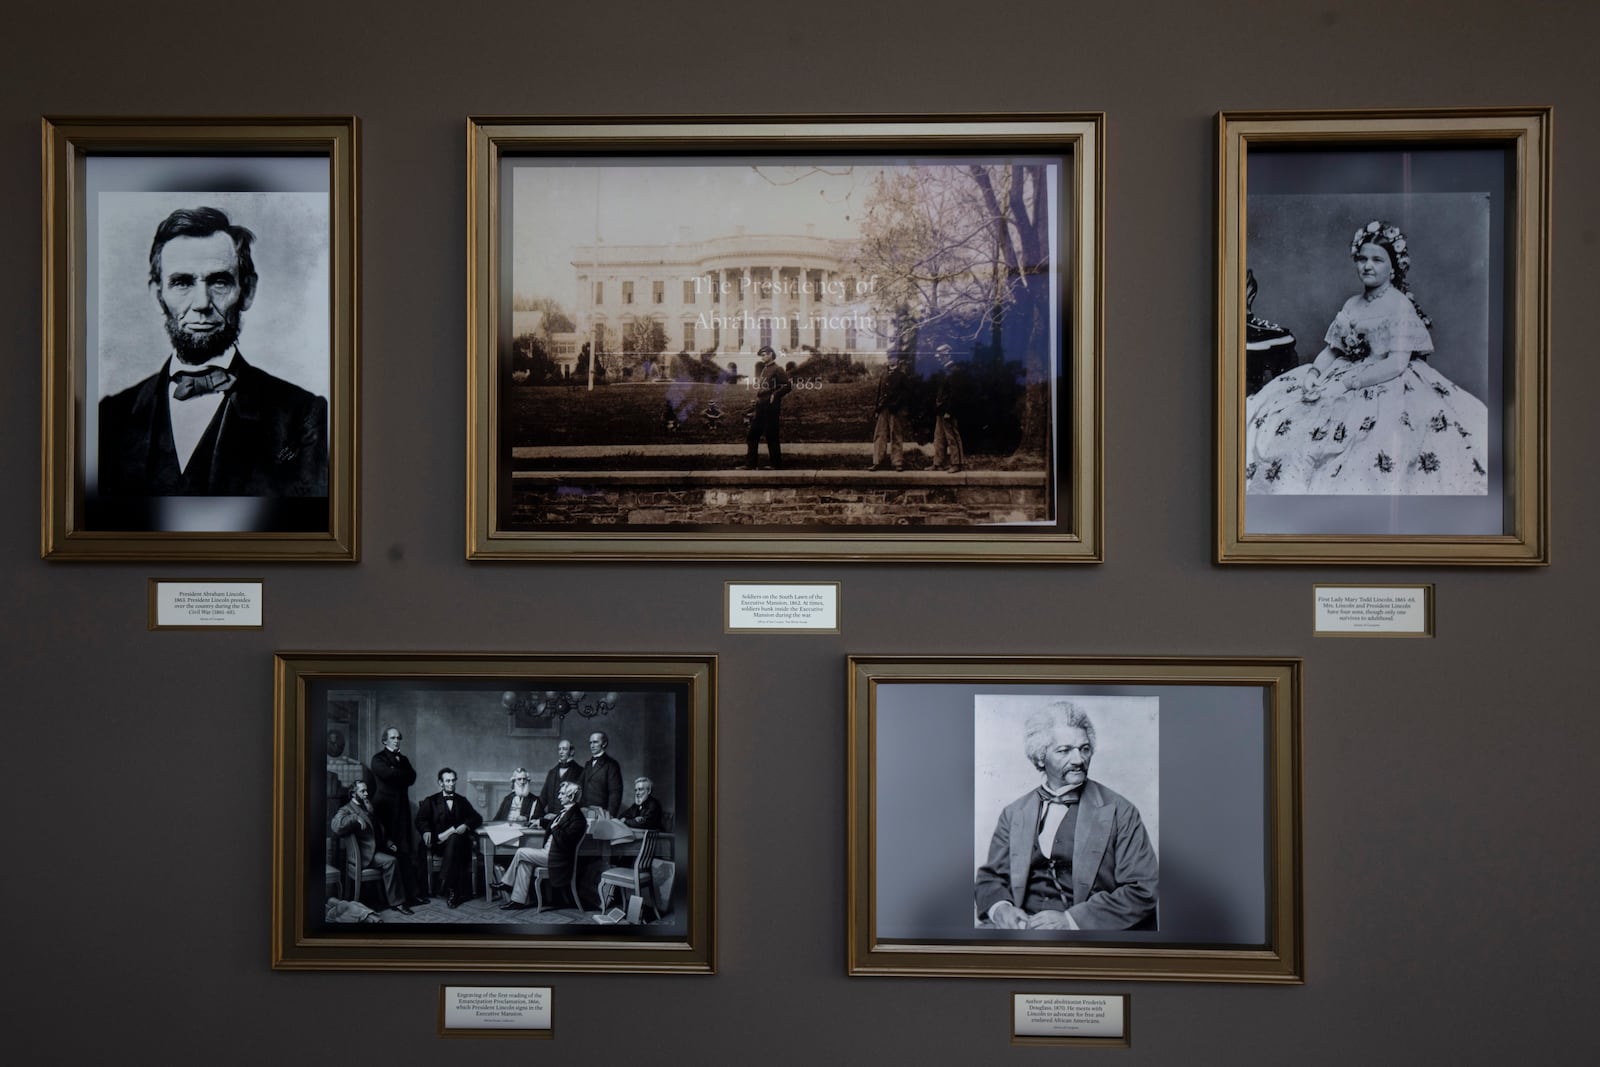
1057,850
1128,818
863,339
1382,336
414,831
200,339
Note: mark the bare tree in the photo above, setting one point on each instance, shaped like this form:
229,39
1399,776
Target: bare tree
553,318
963,253
644,337
967,250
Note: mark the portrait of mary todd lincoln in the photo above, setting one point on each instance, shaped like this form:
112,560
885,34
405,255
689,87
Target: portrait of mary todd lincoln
1069,854
207,423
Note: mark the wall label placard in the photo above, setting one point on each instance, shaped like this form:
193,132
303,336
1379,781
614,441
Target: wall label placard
1373,610
781,607
504,1011
1075,1018
205,604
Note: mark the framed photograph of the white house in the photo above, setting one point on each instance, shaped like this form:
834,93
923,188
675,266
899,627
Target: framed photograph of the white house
804,338
1383,336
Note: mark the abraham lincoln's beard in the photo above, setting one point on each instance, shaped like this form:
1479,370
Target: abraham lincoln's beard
195,349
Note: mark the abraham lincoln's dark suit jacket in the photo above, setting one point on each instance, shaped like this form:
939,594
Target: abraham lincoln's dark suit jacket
268,438
457,852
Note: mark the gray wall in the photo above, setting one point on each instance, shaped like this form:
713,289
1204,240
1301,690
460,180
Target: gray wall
1449,840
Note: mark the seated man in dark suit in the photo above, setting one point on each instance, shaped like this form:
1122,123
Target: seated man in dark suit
207,423
1071,854
355,821
645,811
559,853
447,821
520,804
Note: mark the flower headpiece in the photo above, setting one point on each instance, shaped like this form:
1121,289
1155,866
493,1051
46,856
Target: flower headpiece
1388,236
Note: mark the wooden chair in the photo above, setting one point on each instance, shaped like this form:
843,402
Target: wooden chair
636,879
355,875
333,881
664,843
541,875
436,867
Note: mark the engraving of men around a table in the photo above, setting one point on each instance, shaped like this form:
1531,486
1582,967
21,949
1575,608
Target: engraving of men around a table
1070,853
529,865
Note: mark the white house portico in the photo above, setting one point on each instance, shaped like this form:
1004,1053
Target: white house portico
730,295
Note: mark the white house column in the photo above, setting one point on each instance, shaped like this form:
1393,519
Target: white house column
722,309
773,296
833,331
805,305
746,283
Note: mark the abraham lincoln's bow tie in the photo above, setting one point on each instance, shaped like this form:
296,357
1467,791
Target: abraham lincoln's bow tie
195,383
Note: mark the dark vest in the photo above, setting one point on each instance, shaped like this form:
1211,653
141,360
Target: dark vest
1042,893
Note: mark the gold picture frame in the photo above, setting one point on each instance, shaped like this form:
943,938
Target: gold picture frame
640,453
1434,450
1224,904
272,469
642,885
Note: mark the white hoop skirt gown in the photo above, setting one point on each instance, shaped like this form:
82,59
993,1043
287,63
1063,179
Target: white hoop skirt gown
1418,433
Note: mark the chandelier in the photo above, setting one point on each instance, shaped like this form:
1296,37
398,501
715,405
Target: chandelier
552,704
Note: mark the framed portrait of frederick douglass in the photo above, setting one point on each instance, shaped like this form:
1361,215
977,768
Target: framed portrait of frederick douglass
1383,336
200,339
421,821
807,338
1075,817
